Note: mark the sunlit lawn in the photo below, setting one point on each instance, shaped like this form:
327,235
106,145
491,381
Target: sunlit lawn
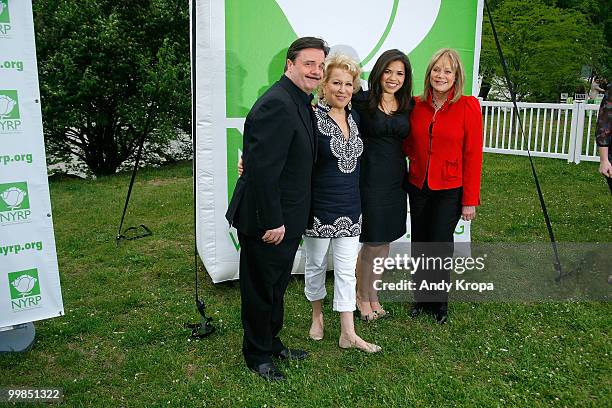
122,341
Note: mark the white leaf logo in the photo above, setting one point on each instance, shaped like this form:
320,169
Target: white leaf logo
2,7
6,104
390,24
13,197
24,284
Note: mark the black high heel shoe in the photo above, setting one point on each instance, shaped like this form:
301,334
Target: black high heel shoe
441,314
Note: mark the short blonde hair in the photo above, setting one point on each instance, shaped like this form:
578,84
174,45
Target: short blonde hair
344,62
456,65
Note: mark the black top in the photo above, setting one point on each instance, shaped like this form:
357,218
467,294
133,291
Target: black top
279,149
603,132
336,210
383,168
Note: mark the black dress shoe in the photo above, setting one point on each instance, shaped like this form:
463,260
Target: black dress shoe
417,309
441,314
268,371
291,354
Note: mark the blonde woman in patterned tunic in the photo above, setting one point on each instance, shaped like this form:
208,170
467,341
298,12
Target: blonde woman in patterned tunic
336,210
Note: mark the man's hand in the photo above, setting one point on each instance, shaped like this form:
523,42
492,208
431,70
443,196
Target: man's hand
468,212
274,236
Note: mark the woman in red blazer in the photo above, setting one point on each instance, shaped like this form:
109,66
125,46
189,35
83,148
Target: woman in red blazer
445,153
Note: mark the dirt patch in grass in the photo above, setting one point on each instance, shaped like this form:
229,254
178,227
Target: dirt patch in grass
163,182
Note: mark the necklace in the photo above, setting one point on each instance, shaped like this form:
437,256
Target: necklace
385,108
435,104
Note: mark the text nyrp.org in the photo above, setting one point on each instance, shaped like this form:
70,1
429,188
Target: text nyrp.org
17,248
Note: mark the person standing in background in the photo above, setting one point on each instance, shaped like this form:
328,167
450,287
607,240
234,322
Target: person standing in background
603,134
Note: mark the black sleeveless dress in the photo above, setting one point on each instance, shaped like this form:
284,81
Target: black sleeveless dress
383,168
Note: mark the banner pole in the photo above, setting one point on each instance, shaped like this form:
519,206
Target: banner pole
515,112
204,327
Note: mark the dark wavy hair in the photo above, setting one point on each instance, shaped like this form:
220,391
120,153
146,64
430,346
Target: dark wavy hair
404,94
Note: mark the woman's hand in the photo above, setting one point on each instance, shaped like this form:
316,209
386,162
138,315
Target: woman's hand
468,212
605,167
240,166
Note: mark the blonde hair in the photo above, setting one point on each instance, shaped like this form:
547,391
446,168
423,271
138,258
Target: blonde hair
456,65
344,62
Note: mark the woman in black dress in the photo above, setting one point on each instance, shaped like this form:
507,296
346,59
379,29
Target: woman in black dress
384,110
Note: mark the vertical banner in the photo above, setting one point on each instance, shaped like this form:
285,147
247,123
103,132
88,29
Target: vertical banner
240,51
29,276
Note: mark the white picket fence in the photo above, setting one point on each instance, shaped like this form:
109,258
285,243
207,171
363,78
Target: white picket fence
564,131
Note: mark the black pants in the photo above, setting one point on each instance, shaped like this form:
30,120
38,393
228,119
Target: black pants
265,270
609,180
433,218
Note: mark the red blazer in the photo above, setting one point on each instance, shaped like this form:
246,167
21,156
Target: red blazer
453,150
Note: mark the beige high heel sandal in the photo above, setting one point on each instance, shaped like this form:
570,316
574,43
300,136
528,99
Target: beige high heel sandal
345,343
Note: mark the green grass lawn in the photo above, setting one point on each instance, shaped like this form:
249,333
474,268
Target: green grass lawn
122,341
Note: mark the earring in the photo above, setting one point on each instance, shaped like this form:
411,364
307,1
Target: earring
323,102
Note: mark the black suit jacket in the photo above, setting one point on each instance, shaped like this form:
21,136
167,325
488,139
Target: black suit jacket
279,149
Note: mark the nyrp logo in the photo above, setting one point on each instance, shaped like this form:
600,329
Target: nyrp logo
4,12
24,287
9,104
10,119
5,18
14,203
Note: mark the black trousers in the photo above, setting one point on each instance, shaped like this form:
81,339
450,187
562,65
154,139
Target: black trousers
265,270
433,218
609,180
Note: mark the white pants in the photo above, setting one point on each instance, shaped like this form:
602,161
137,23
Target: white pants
345,251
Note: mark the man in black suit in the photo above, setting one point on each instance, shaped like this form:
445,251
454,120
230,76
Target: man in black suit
271,201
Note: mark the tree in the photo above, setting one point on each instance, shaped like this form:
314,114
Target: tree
599,12
545,48
111,73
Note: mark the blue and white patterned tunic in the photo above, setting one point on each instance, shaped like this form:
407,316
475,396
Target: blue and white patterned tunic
336,206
